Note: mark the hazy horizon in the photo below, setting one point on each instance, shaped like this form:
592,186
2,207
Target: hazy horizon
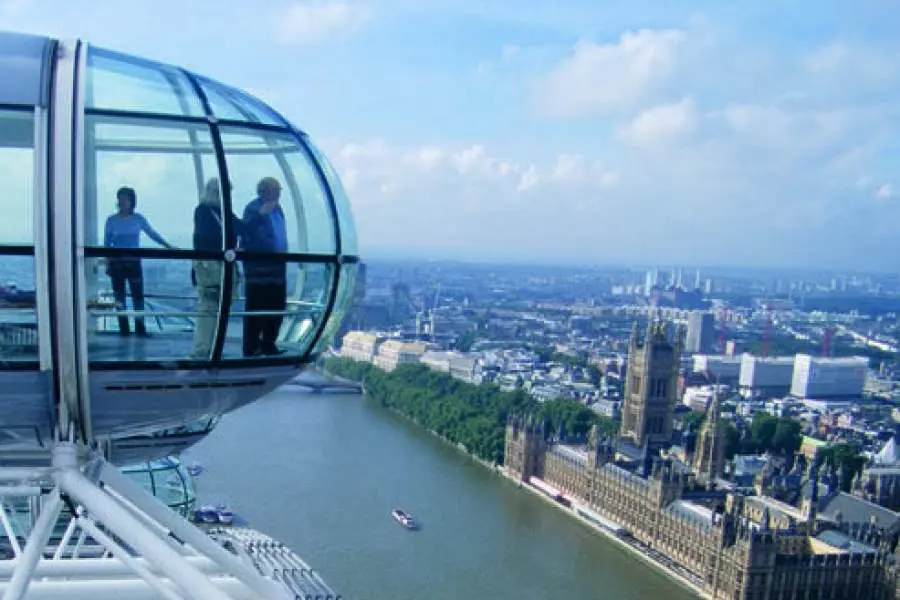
418,256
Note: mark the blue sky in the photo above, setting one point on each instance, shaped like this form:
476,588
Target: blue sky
643,132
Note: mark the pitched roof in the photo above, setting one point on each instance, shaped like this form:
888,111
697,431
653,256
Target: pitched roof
857,510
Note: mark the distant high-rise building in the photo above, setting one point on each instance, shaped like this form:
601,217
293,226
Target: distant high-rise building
708,287
650,386
815,377
766,376
697,281
359,291
700,332
401,305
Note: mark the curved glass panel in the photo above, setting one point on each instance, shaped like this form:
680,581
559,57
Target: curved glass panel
144,309
168,480
349,243
22,69
142,478
302,211
126,83
229,103
171,169
17,177
280,306
171,487
342,302
18,311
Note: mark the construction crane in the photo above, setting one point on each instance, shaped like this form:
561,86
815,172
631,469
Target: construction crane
437,296
725,314
767,330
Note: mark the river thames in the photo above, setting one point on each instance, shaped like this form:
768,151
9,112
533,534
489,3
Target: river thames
322,473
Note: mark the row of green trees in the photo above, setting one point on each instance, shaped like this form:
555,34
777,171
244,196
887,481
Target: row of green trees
472,415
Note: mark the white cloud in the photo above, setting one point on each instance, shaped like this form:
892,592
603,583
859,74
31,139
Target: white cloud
426,157
420,193
691,156
885,192
12,8
660,124
509,51
315,21
528,179
598,78
839,61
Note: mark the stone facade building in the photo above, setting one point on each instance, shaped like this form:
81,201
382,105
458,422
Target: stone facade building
731,546
730,555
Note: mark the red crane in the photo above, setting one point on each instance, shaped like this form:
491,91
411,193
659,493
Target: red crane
767,330
826,342
722,331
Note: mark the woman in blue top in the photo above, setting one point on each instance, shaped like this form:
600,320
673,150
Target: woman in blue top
123,230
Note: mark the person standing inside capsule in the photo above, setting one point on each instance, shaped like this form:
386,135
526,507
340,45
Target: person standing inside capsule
123,230
264,231
207,275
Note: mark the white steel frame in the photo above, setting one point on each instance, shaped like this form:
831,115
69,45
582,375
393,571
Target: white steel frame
147,551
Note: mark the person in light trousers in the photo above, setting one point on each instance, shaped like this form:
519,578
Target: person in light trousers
208,275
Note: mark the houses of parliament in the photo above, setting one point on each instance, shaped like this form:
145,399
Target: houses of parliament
789,536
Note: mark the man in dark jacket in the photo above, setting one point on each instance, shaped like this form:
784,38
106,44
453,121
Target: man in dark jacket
264,231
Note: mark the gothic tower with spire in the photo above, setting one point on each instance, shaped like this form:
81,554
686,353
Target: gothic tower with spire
650,386
709,457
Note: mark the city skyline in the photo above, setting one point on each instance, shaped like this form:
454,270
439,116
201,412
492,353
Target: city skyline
691,132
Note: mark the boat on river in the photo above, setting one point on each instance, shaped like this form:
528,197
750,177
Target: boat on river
218,514
404,518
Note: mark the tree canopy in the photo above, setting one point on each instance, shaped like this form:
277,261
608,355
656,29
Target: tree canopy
463,413
779,435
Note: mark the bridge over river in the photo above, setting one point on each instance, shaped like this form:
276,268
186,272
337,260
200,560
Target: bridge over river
313,382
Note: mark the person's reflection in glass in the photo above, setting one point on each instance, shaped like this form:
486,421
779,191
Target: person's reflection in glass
123,230
207,274
266,288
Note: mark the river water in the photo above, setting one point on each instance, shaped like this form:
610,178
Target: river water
322,473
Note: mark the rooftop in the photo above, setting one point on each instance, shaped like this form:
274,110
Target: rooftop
778,506
574,453
693,510
843,542
853,361
850,509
